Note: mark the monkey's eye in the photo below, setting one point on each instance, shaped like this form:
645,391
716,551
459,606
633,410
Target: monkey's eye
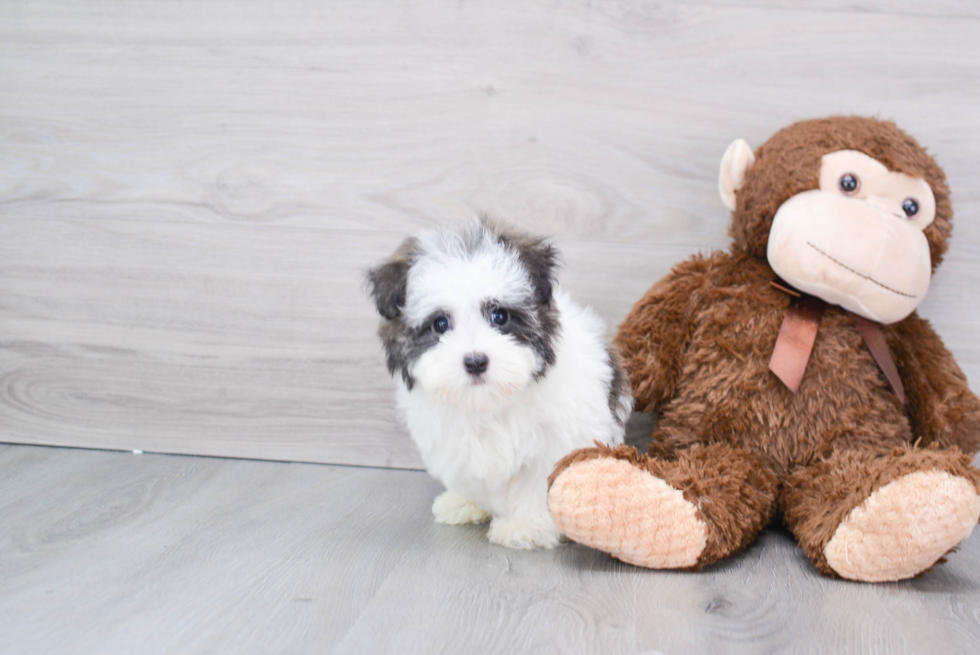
849,183
910,206
440,324
499,316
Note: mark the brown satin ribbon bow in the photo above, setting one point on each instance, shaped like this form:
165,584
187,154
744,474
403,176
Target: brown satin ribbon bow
798,333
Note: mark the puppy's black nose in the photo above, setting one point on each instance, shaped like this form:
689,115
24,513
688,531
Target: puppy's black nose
476,363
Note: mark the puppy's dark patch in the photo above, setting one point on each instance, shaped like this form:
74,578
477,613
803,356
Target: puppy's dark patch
540,324
418,341
538,257
619,386
531,325
389,285
549,332
393,338
389,281
404,345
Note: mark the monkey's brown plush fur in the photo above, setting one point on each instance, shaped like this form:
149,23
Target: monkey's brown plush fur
730,437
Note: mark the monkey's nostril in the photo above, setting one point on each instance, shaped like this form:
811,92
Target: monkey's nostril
476,363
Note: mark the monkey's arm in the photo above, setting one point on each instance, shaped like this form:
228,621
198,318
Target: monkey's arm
940,405
655,333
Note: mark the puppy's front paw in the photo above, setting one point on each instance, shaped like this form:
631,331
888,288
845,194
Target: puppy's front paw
452,509
523,532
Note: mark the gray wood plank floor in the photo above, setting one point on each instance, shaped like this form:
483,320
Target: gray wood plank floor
190,191
118,553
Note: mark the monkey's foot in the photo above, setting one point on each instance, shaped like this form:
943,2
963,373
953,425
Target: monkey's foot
613,506
904,527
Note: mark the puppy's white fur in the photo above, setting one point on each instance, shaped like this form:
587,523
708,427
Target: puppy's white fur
549,388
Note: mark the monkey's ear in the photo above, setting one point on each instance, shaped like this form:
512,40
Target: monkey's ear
736,162
389,282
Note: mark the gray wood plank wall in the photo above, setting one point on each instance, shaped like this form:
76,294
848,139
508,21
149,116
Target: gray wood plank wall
191,191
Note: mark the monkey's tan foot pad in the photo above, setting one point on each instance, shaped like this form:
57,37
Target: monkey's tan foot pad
613,506
904,527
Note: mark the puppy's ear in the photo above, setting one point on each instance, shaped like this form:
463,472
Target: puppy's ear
541,260
389,281
539,257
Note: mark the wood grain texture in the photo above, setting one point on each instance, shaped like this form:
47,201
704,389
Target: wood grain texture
191,191
117,553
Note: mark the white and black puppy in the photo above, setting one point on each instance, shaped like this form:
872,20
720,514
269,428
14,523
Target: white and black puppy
499,374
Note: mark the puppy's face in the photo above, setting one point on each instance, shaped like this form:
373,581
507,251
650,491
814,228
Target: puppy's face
468,313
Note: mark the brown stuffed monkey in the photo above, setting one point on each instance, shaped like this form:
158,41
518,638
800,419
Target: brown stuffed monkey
791,376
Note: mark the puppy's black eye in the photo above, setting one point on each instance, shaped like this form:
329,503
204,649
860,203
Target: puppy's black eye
441,324
499,316
849,183
910,206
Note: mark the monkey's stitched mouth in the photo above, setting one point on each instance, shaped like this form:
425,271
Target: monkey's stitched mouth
861,275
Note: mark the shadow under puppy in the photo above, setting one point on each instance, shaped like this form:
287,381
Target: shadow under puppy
498,373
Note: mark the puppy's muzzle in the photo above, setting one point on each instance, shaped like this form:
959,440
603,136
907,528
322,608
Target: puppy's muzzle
476,363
